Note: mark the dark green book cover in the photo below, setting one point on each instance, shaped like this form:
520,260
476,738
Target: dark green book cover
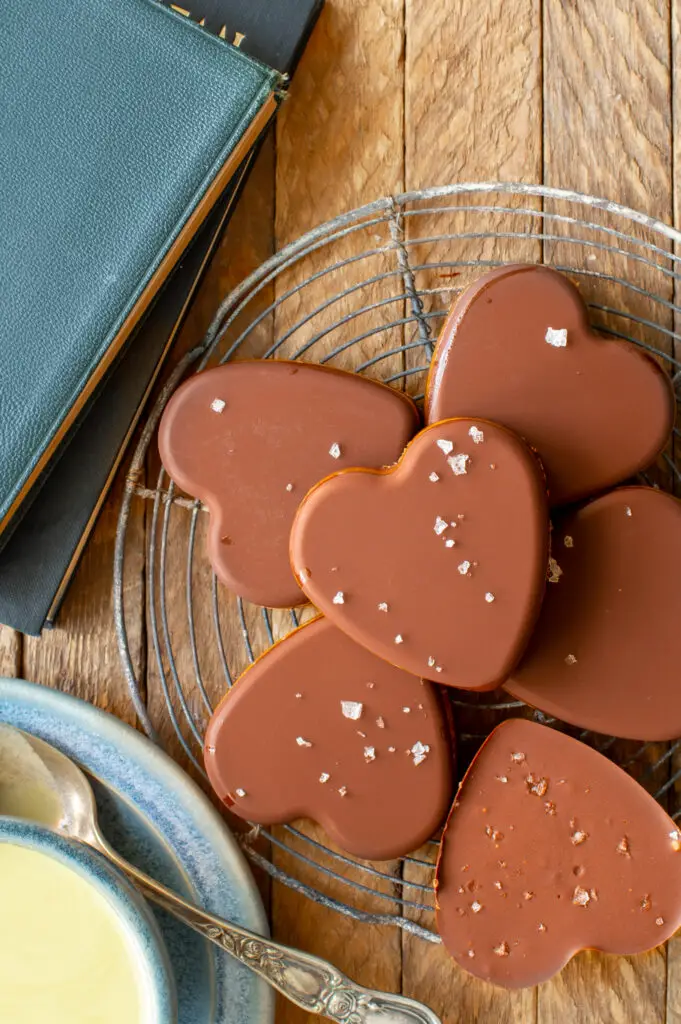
38,561
121,123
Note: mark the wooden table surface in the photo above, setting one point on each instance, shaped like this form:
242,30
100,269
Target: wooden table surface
394,95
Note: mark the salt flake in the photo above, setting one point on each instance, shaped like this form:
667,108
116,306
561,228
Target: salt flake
217,405
477,435
324,777
369,754
675,837
476,907
399,639
343,791
579,837
581,897
502,949
339,598
240,792
302,742
380,722
335,450
450,543
554,571
440,525
458,463
489,597
556,336
352,709
445,446
433,478
289,487
419,752
383,606
463,567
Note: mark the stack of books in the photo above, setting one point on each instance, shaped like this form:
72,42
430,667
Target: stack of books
128,128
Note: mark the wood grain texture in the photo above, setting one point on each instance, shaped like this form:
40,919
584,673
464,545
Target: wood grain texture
673,1007
10,652
607,131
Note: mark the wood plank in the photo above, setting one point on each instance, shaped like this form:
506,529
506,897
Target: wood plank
608,132
339,145
473,113
10,652
673,1009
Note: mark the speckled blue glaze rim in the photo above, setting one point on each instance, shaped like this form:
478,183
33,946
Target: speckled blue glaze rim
174,806
128,905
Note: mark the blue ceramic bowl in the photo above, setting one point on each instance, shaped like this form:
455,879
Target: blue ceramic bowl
135,917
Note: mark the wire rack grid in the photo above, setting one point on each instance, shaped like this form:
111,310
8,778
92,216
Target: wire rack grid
367,292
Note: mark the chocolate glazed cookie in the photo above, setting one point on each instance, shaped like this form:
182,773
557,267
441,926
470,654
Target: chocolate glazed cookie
320,728
551,848
250,439
438,564
517,348
604,655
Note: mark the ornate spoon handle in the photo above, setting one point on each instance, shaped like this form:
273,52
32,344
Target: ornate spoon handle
311,983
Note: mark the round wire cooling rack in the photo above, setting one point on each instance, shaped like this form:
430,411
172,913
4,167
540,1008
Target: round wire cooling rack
367,292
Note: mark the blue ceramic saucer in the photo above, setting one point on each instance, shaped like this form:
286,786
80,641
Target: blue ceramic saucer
128,905
157,818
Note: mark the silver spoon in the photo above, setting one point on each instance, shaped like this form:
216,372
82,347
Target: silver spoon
38,782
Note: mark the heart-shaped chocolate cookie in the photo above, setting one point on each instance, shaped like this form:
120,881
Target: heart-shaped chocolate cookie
320,728
602,655
551,848
437,564
517,348
250,438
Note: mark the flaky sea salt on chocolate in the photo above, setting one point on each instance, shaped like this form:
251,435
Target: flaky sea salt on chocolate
383,606
440,525
445,446
335,450
419,752
369,754
302,742
324,777
433,478
458,463
477,435
581,897
240,792
352,709
557,337
339,598
218,405
464,567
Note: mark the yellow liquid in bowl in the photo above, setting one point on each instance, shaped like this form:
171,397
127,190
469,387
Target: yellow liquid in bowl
65,958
